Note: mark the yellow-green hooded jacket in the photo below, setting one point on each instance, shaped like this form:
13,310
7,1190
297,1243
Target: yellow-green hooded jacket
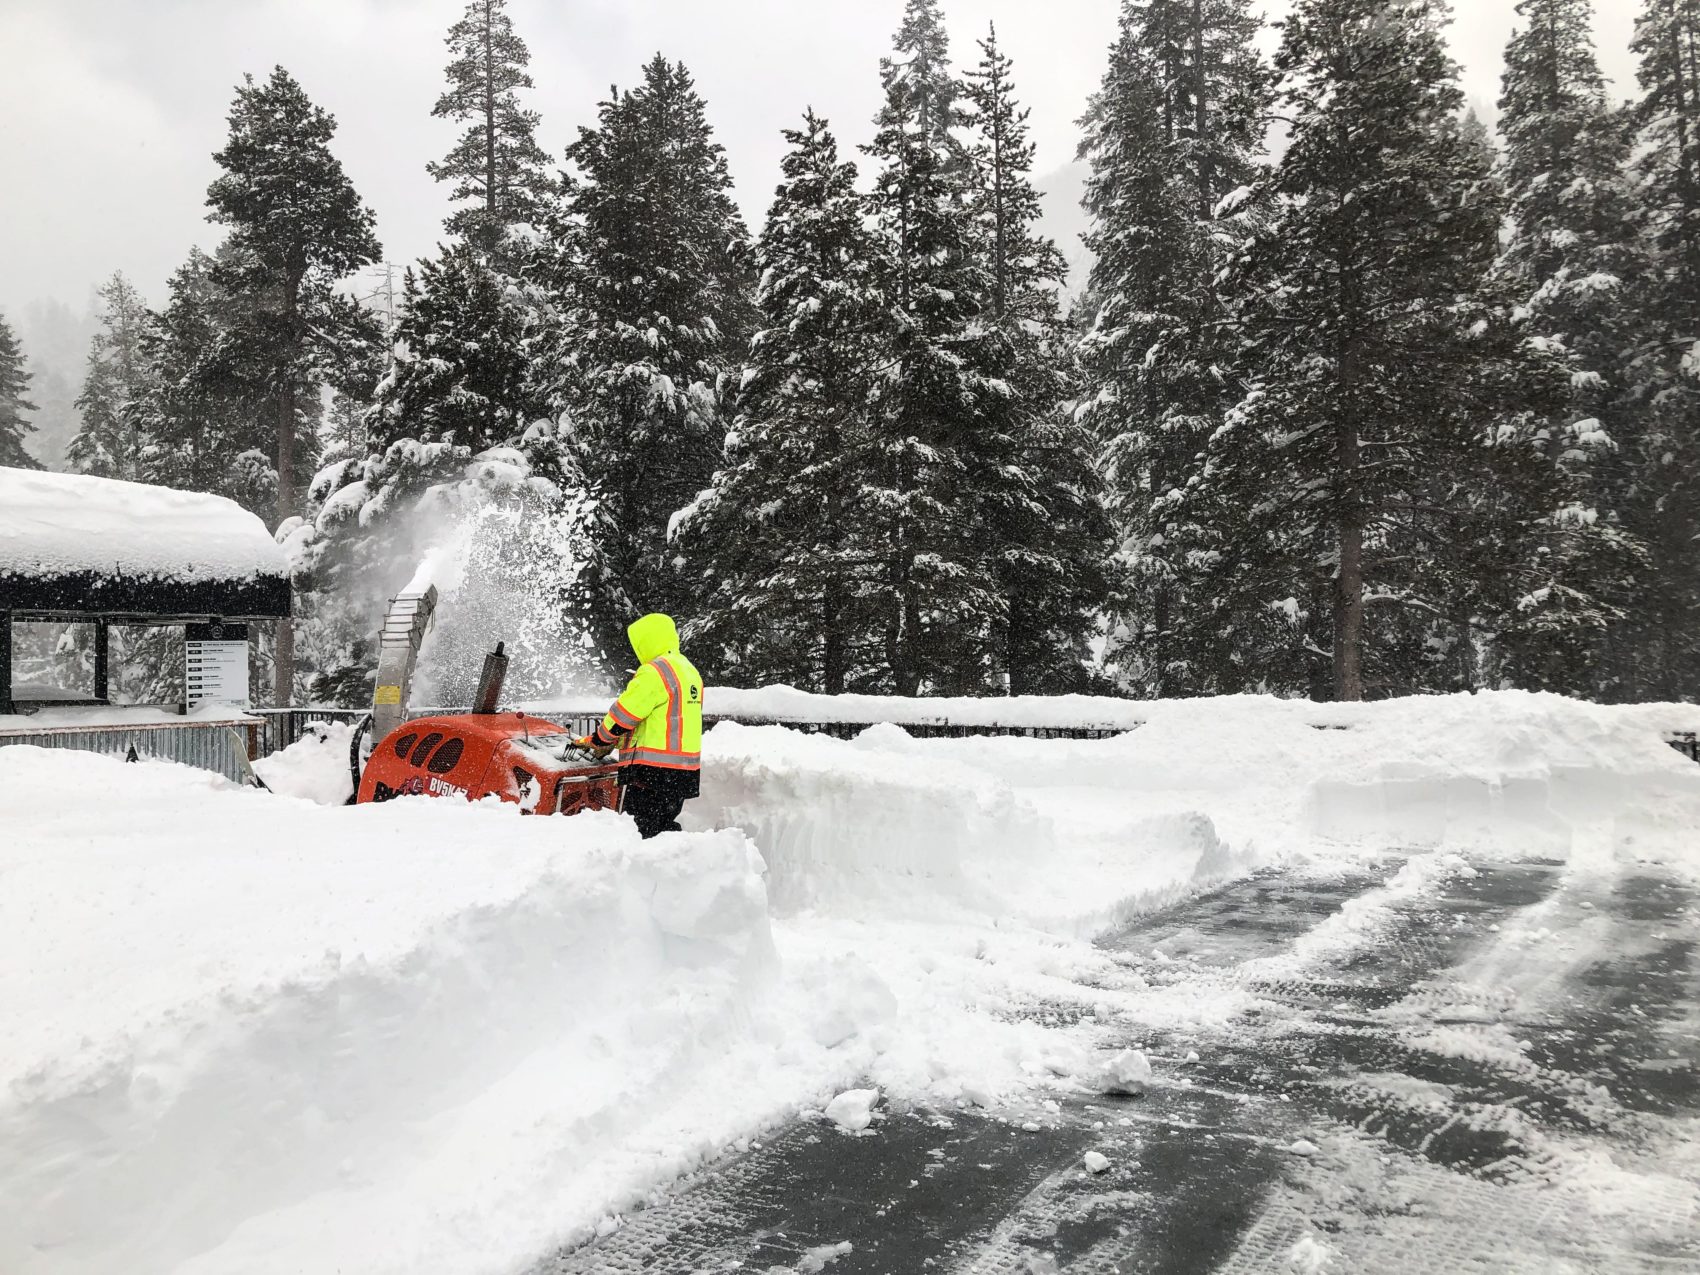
657,721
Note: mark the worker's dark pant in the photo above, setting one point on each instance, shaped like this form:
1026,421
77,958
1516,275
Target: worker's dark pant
654,796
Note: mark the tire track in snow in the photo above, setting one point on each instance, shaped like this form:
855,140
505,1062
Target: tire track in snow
1379,1054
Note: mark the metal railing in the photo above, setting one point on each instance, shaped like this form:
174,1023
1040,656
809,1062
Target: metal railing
285,726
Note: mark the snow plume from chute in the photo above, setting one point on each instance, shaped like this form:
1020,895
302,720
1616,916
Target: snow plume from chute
508,574
502,543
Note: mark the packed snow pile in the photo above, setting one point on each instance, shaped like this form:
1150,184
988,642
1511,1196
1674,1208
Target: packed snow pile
117,716
315,767
1074,834
72,524
247,1033
787,704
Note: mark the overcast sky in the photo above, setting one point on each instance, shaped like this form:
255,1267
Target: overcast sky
110,109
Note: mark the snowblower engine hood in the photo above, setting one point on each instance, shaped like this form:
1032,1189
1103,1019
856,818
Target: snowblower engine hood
653,636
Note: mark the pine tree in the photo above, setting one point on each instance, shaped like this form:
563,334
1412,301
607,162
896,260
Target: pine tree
1043,517
1571,252
790,595
1662,376
115,388
297,227
463,357
497,164
919,69
1172,137
939,400
1389,449
655,286
1569,259
203,409
14,384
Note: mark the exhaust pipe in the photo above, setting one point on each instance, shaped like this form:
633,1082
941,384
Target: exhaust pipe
490,682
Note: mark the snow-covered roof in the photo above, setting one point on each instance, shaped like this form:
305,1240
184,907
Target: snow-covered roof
71,543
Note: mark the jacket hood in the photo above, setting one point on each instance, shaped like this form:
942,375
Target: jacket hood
652,636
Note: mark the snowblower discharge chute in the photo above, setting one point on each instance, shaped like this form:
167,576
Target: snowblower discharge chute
514,756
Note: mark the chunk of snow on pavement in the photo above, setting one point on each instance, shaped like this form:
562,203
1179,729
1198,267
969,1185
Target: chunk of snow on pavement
1310,1256
820,1257
1304,1147
1128,1072
1095,1162
853,1110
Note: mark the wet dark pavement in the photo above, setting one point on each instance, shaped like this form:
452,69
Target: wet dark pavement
1383,1062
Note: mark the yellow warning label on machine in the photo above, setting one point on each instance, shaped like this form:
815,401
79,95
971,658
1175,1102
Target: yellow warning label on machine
387,695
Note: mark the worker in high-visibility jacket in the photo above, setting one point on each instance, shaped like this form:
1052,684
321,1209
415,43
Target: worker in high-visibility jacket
657,726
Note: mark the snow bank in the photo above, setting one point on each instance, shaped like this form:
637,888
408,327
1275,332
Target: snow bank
787,704
254,1034
1074,835
315,767
117,716
246,1033
66,524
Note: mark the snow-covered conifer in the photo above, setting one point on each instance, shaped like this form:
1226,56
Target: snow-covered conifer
297,228
464,350
1043,519
1172,136
656,315
1570,260
938,399
116,386
14,405
204,420
1394,418
499,171
791,594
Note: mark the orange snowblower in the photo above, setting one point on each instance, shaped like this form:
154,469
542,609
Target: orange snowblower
514,756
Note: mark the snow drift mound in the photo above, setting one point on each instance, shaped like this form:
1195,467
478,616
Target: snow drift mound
222,1004
890,826
1073,835
856,828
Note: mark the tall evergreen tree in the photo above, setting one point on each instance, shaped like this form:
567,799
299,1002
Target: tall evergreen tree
1172,135
464,352
115,388
657,314
14,407
939,400
792,595
1569,259
204,410
1386,450
497,167
1043,516
1663,372
1571,251
297,228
